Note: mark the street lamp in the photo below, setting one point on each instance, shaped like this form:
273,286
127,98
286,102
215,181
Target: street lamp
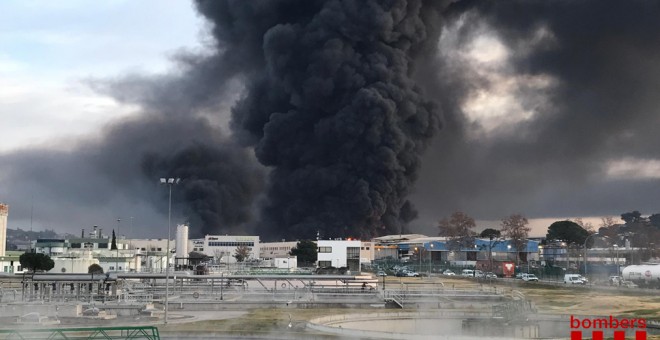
431,259
618,269
117,246
169,182
585,252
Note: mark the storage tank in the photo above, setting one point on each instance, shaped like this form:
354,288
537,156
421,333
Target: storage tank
643,275
181,241
4,212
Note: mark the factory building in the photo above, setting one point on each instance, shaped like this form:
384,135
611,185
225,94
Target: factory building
272,250
223,247
339,253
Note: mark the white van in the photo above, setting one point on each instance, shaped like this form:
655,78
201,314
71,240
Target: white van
574,279
467,273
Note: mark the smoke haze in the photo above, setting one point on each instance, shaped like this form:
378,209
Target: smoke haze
355,117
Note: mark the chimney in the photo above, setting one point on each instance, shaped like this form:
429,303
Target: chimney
82,235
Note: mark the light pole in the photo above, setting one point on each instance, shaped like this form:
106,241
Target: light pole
169,182
585,252
430,259
117,246
618,269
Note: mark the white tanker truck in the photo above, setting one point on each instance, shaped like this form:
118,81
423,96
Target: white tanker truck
645,275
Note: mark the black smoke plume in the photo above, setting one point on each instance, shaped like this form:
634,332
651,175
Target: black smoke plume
331,107
602,61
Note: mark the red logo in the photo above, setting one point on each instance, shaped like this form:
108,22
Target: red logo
607,323
598,335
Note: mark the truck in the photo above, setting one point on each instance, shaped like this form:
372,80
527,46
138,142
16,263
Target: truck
644,275
500,268
574,279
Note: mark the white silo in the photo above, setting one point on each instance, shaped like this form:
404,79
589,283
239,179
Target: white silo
4,211
181,241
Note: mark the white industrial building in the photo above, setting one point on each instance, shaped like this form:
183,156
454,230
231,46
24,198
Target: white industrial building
271,250
339,253
223,247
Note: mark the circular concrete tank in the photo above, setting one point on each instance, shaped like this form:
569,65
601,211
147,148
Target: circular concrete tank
423,325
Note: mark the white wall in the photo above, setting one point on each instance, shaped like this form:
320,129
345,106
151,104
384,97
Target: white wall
73,265
270,250
224,253
338,256
290,263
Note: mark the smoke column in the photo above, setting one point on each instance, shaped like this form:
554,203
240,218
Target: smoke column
331,108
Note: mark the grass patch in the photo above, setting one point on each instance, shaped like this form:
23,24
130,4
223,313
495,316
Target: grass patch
650,314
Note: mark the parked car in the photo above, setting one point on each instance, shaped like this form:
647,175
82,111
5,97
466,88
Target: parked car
382,273
615,280
448,273
529,277
490,275
519,276
467,273
412,274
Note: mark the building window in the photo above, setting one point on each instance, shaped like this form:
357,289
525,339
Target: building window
324,264
75,245
160,249
367,248
353,252
325,250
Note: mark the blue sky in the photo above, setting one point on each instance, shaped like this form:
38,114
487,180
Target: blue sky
49,48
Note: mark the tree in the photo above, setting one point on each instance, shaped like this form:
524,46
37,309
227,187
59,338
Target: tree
306,251
113,246
94,269
655,220
493,236
515,228
242,253
588,226
195,258
490,233
608,227
632,217
567,231
458,229
36,262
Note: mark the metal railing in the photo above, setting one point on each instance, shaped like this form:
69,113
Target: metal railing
146,332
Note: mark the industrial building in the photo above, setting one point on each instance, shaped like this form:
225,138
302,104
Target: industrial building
339,254
223,247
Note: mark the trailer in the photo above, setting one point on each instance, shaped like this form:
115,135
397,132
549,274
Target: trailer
644,275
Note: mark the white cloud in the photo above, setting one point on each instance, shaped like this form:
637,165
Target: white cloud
48,47
633,169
